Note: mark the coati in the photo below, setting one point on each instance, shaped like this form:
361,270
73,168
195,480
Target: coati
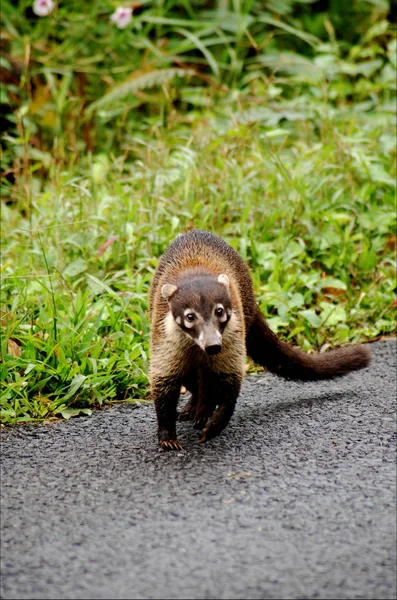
204,319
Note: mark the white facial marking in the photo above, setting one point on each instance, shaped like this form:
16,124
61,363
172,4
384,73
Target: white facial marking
223,318
172,330
187,311
178,320
200,340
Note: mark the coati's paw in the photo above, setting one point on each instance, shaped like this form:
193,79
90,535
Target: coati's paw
188,412
208,433
200,421
170,445
203,438
203,413
186,415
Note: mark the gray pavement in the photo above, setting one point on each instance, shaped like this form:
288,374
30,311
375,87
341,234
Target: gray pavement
296,499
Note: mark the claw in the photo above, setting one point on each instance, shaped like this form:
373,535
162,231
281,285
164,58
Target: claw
203,438
170,445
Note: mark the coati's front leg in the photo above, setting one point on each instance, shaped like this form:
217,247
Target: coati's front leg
227,390
165,394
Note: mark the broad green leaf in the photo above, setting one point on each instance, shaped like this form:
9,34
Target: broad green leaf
282,311
67,413
332,314
364,68
76,383
367,259
276,133
97,286
296,300
75,268
331,282
392,52
311,317
377,29
275,323
377,173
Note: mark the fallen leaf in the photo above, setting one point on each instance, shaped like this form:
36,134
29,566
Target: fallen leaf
334,291
42,335
43,399
391,242
14,348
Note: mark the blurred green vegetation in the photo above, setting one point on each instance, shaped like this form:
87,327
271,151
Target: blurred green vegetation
269,123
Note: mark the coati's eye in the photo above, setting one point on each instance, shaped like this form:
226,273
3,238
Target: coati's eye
190,317
219,311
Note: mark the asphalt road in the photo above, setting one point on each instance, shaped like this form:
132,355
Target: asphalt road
296,499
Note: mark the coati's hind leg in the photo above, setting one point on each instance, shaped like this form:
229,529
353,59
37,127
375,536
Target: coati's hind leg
206,398
165,393
189,410
226,391
203,400
191,384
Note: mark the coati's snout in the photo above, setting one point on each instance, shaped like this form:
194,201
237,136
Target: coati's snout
211,339
201,307
213,349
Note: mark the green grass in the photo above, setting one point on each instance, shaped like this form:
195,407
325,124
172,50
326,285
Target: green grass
295,169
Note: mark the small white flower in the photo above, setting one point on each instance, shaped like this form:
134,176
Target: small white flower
122,17
42,8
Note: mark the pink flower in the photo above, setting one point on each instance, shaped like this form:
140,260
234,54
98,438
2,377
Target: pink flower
42,8
122,17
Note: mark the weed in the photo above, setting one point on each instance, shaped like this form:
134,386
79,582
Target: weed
273,133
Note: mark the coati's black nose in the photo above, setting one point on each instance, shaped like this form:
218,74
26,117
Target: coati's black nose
213,349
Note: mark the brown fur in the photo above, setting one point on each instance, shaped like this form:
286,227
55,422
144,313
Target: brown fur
176,360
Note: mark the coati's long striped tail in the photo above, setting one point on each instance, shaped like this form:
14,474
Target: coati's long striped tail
264,347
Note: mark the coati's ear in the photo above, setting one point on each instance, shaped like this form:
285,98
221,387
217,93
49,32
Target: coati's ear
168,290
223,279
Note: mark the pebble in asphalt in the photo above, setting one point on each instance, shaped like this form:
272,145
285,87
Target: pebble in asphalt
296,499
